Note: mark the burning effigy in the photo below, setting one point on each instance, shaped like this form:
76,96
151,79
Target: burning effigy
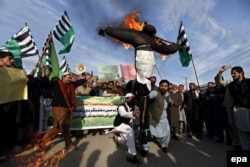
142,37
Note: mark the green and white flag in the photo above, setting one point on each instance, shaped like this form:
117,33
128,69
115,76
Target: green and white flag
185,55
64,33
64,66
54,61
21,45
46,55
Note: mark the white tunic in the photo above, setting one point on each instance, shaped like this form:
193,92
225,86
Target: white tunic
161,129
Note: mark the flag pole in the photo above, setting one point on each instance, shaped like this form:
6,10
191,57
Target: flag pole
158,71
195,73
46,46
182,38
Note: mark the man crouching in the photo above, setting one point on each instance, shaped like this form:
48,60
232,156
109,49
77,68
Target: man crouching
124,133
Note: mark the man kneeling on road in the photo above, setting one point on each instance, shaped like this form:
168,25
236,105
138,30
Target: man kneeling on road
124,133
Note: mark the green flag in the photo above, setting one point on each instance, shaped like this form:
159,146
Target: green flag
54,60
64,33
185,55
21,45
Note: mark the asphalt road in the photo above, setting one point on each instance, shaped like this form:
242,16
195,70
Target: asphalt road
100,151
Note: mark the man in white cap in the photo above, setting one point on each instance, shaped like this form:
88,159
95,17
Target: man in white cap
123,129
63,104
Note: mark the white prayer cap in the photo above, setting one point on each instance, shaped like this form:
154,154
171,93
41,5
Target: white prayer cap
129,95
66,73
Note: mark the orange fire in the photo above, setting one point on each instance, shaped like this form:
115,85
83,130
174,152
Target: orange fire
131,21
33,156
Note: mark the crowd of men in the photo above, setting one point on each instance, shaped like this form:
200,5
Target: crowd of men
222,111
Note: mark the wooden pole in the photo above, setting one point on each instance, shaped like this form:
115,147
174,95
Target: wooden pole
46,46
195,73
158,71
186,82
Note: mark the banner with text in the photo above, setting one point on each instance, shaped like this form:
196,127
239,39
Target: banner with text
92,112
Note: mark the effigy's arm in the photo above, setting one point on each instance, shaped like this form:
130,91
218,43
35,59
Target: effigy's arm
130,36
122,34
166,49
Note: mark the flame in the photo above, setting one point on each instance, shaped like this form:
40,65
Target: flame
32,156
164,57
131,21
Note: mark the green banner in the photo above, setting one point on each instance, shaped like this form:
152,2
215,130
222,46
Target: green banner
92,112
108,72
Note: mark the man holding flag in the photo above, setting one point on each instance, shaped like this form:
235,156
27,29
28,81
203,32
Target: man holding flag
63,104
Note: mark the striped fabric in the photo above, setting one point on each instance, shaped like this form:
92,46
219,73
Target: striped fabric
64,33
46,55
183,39
64,66
21,45
185,54
48,61
62,26
26,42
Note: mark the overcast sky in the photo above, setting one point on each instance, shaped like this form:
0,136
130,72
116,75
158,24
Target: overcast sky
217,30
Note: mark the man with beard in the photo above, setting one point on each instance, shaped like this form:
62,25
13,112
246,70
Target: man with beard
228,104
124,133
175,101
239,88
159,126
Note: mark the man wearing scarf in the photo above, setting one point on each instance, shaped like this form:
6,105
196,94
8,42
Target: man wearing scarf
63,104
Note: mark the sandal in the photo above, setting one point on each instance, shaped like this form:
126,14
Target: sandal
134,159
